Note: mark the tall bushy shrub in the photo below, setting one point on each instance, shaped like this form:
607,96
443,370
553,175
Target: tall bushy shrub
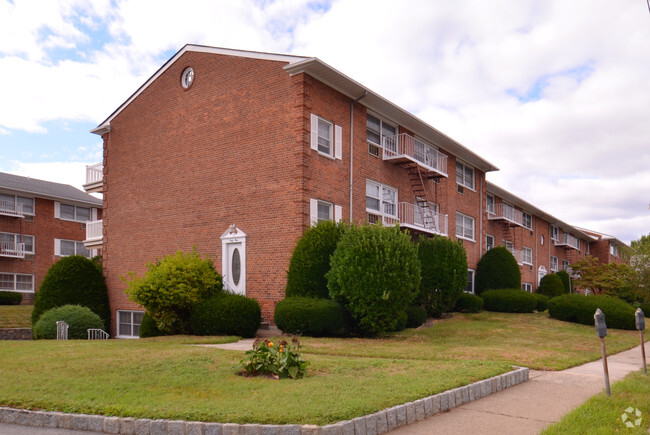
227,314
73,280
78,318
551,286
443,265
375,273
497,269
469,303
311,261
309,316
566,280
580,309
170,287
10,298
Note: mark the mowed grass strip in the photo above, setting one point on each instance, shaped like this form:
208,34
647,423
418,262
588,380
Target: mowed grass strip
16,316
603,415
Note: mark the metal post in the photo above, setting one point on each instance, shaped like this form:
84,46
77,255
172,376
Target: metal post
605,369
640,325
601,331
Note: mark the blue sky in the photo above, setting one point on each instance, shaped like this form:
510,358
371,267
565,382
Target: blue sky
535,86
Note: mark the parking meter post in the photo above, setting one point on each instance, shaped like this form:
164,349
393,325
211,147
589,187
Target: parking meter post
601,331
640,325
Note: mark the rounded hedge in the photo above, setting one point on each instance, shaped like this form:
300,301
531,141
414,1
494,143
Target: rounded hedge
551,286
580,309
78,318
542,302
400,325
226,314
73,280
313,317
310,261
469,303
10,298
148,327
509,301
497,269
415,316
566,280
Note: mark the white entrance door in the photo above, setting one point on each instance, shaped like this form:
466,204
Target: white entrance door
233,260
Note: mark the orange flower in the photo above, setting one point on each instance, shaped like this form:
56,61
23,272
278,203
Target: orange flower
270,344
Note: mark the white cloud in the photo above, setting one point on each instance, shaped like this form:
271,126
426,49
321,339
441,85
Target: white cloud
72,173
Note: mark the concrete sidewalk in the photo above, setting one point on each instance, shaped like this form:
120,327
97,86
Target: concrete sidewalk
529,407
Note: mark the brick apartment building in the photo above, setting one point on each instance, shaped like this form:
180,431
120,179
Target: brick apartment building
238,153
40,222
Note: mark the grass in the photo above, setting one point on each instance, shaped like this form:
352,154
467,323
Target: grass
167,378
16,316
603,415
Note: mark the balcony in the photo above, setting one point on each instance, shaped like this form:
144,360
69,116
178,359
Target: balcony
94,178
517,254
12,250
10,208
404,148
507,213
414,217
568,241
94,234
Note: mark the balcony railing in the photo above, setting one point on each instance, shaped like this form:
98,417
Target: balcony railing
10,208
94,233
422,218
11,249
404,147
94,178
569,241
508,213
517,254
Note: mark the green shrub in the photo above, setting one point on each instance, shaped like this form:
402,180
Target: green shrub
580,309
646,309
73,280
79,319
400,325
469,303
226,314
497,269
375,273
542,302
171,286
551,286
311,261
10,298
281,360
309,316
444,274
566,280
415,316
509,301
148,327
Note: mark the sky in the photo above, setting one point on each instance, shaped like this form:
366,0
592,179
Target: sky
556,93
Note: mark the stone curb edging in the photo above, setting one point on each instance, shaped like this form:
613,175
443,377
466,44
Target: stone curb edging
373,424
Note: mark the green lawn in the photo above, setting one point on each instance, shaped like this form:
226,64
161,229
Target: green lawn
603,415
167,378
16,316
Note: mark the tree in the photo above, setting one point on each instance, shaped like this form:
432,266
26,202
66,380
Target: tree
444,274
640,262
497,269
613,279
170,287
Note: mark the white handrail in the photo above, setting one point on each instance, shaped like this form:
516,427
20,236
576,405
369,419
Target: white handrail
422,217
94,230
98,334
507,212
12,249
94,173
406,145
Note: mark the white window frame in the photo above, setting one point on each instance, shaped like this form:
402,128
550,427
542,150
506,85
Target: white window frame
77,243
613,250
489,245
554,264
527,255
382,202
17,238
527,220
15,201
15,282
471,278
555,233
463,218
57,212
464,169
336,211
335,138
566,265
490,207
131,323
527,287
374,149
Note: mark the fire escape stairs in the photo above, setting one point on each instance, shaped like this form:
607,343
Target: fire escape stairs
422,199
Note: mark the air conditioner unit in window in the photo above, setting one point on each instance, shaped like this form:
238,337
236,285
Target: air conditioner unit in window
460,188
83,226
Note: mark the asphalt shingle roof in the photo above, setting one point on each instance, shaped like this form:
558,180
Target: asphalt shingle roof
46,189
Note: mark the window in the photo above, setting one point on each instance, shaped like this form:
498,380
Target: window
9,242
527,255
554,264
326,138
555,233
527,220
613,250
464,226
63,248
566,265
69,212
527,287
470,281
465,175
376,130
17,282
129,323
324,211
489,242
381,199
489,204
13,203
